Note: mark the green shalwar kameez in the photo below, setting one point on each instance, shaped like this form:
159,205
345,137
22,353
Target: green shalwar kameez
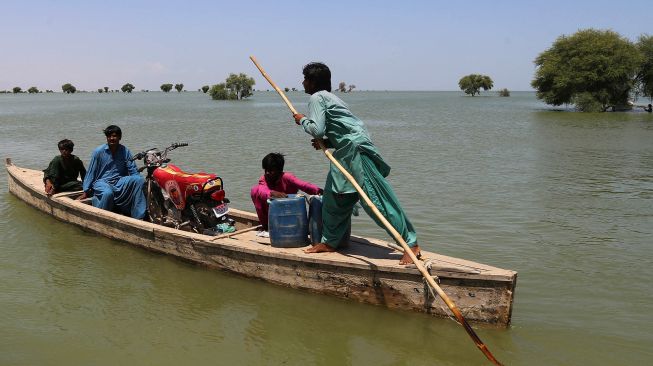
63,174
329,117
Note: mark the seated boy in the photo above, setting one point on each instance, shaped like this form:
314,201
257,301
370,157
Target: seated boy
275,183
61,175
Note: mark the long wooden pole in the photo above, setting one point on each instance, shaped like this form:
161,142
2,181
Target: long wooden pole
393,231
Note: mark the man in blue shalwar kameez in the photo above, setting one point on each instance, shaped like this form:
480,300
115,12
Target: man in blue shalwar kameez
112,179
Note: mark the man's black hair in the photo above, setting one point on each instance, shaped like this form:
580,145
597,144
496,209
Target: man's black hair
66,144
111,130
273,161
319,74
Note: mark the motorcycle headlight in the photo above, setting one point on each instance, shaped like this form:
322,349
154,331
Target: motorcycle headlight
152,157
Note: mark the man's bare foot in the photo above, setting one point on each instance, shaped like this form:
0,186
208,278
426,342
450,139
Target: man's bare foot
320,248
406,258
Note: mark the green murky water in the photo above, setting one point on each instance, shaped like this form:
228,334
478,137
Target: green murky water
565,199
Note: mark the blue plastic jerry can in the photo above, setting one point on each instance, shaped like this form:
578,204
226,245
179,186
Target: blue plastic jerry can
315,221
288,222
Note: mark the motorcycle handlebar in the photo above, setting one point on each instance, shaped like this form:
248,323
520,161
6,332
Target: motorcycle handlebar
138,156
175,145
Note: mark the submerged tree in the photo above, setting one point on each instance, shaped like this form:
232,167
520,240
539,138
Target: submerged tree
127,88
240,84
342,87
234,88
179,87
166,88
220,92
205,88
68,88
504,92
473,83
33,90
106,89
17,89
645,74
592,69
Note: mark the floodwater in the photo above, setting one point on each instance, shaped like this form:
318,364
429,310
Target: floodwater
564,198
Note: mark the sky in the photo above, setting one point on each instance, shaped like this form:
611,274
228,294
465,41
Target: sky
375,45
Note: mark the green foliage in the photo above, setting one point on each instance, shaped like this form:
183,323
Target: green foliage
166,88
595,63
645,74
220,92
179,87
68,88
234,88
504,92
127,88
33,90
205,88
17,89
472,83
240,84
586,102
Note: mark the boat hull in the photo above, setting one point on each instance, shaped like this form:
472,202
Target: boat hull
367,271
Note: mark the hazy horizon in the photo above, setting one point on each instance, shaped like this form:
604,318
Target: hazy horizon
380,45
173,91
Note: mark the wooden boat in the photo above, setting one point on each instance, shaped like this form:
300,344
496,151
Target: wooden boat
367,270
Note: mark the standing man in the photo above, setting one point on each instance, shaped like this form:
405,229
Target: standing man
330,120
112,178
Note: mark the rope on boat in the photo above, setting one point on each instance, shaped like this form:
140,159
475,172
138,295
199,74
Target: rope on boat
428,264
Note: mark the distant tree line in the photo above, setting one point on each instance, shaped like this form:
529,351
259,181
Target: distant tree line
235,87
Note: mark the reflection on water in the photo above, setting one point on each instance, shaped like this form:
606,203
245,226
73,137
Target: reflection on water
564,198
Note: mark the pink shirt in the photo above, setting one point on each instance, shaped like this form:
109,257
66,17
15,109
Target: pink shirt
288,184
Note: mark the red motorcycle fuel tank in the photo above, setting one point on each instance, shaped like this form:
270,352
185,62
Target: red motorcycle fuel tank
180,185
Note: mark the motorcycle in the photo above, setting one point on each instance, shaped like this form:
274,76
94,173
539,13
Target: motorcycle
193,202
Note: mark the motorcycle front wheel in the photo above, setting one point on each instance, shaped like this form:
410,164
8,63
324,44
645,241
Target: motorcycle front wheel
155,204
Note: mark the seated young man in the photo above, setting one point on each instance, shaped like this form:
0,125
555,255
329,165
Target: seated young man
112,180
61,175
275,183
